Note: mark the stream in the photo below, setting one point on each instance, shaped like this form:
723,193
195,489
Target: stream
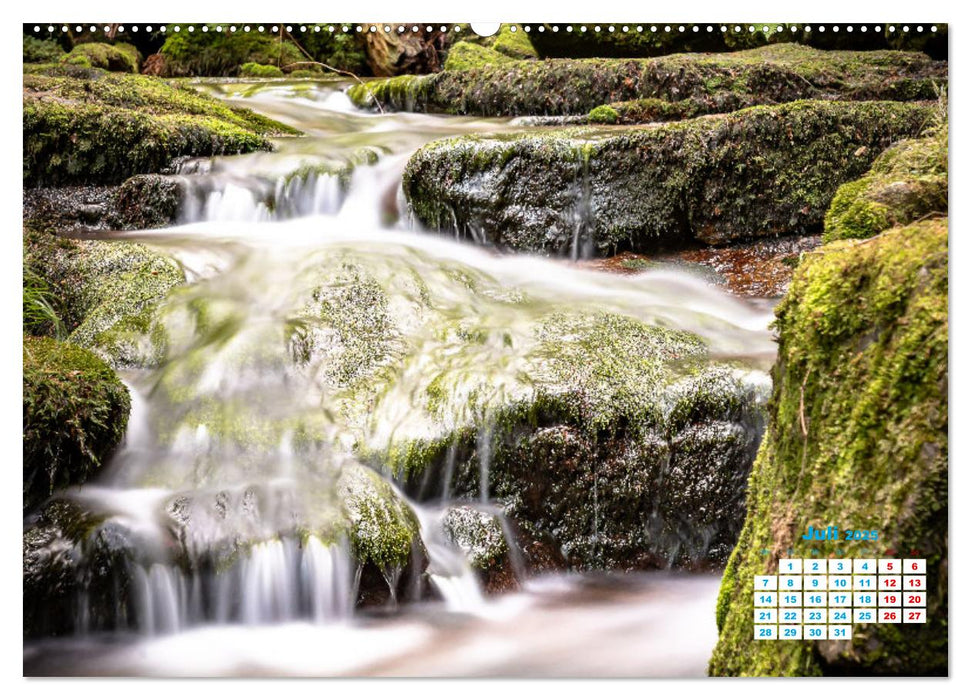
245,439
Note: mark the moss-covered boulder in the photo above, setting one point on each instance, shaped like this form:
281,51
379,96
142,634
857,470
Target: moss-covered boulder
630,449
512,41
465,55
717,82
107,293
92,127
756,172
75,413
259,70
857,438
907,182
111,57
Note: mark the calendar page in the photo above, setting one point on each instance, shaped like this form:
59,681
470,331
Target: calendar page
457,349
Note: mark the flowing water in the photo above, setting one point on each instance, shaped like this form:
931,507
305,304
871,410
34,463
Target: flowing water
317,323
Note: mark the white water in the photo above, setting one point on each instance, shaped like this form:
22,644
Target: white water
239,443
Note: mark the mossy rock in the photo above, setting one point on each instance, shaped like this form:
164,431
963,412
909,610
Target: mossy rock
700,180
465,55
259,70
630,451
907,182
647,110
101,128
75,413
148,201
717,82
383,528
111,57
515,44
857,438
107,292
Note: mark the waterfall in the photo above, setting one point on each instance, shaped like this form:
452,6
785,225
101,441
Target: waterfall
319,333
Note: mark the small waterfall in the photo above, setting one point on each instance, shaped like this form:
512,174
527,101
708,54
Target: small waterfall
224,197
448,569
272,582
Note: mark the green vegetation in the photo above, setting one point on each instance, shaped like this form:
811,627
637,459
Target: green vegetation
515,44
703,179
41,50
465,56
579,41
258,70
75,412
102,127
223,52
383,528
604,114
858,435
715,83
646,111
907,182
110,57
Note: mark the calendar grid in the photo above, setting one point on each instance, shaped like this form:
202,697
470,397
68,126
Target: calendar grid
821,599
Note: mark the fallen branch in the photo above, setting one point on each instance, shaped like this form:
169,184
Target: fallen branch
312,62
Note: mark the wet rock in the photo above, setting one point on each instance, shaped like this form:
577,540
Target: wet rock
107,293
75,413
714,83
76,573
857,437
149,201
621,461
480,536
702,180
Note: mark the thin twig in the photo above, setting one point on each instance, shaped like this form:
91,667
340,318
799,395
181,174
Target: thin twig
312,62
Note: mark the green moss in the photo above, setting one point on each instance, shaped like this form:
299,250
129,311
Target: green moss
858,437
258,70
223,52
715,83
604,114
674,184
107,293
383,529
103,128
515,44
111,57
466,56
907,182
75,412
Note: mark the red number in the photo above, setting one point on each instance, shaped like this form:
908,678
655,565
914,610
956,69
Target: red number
913,567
